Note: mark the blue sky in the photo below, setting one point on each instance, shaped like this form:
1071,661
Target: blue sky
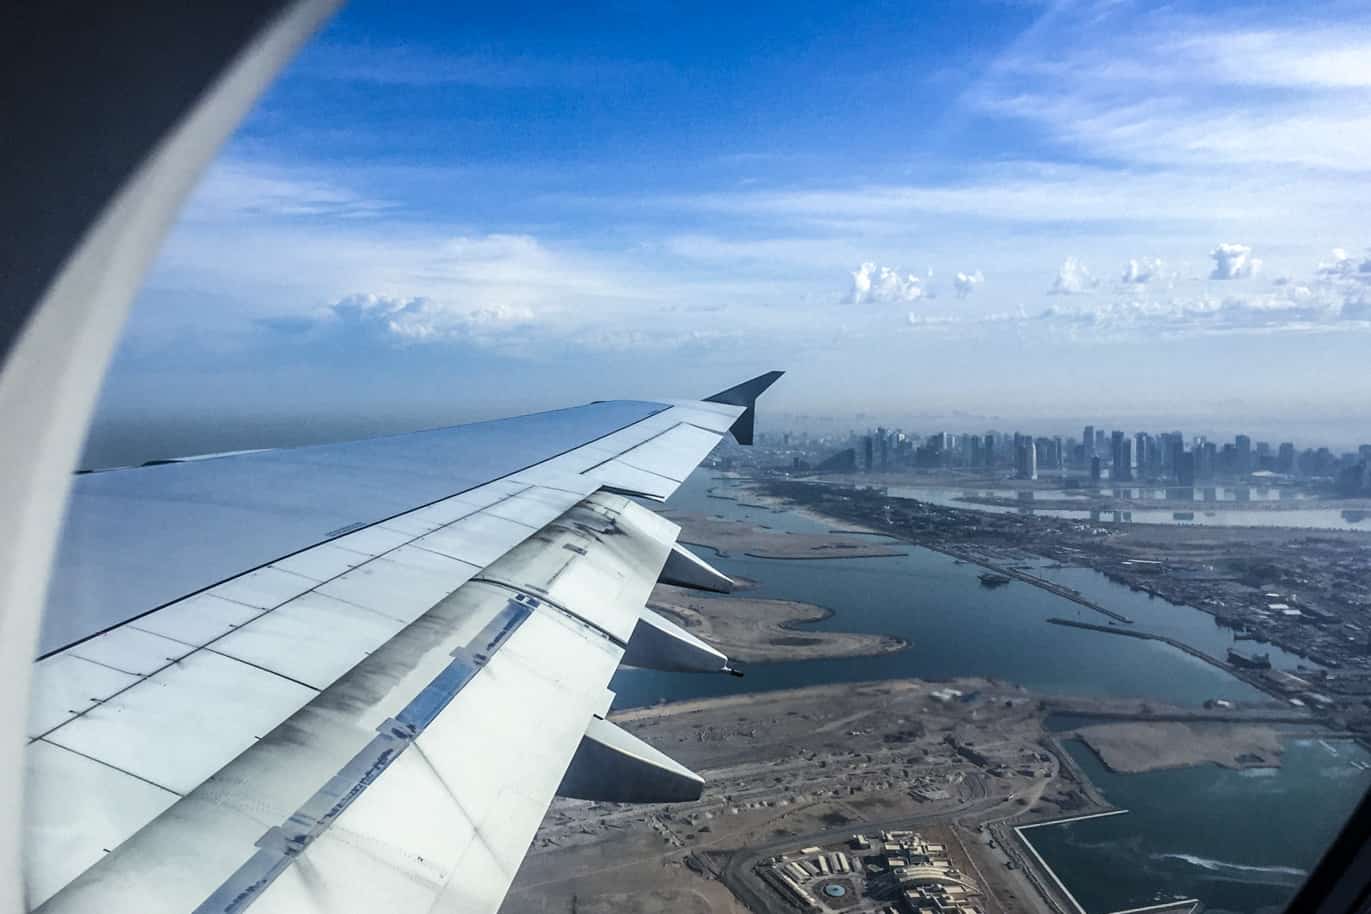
1010,209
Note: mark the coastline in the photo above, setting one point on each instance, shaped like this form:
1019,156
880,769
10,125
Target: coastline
755,630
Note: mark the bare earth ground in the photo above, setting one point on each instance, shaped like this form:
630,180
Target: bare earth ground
788,768
782,766
759,631
1150,745
731,537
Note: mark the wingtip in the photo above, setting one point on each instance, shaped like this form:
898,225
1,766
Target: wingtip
745,395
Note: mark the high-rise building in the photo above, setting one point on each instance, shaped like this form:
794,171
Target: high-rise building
1285,457
1243,456
1094,469
1121,458
1207,462
1140,449
1169,444
1025,457
867,448
989,449
1100,445
1185,468
1088,441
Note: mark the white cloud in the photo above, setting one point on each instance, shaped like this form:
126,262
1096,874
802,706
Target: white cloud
966,283
1159,87
882,285
420,319
1317,58
1304,311
1335,298
1233,261
233,189
1345,265
1072,278
1141,270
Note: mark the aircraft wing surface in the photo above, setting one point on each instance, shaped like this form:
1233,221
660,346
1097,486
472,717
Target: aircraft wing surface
351,677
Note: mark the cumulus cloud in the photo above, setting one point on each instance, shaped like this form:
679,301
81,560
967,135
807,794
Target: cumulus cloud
420,319
1072,279
1336,298
882,285
1304,311
1344,265
1141,270
1233,261
966,283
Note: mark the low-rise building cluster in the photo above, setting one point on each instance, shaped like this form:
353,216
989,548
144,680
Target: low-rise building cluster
895,872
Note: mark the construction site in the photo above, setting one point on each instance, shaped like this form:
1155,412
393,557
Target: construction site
887,873
931,774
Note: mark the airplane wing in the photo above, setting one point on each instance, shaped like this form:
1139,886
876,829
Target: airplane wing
351,677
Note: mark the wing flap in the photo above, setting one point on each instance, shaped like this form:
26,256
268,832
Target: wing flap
445,827
529,690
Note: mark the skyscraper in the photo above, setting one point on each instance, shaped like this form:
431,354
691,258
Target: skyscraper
1121,457
1243,458
1025,457
1285,457
1185,468
1088,441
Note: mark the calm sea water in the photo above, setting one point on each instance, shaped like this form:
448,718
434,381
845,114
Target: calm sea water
1239,840
956,627
1207,512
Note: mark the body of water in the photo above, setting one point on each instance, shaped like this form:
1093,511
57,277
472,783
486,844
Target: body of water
956,627
1207,511
1198,494
1240,841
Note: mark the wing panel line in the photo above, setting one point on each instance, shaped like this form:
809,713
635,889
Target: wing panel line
281,845
208,646
665,407
590,469
557,606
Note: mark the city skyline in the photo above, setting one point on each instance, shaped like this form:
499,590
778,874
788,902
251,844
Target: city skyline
1171,457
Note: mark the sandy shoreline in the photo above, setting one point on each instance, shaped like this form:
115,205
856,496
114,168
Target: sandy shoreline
731,537
755,630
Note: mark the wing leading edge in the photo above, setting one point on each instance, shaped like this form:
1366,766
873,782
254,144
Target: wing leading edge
377,720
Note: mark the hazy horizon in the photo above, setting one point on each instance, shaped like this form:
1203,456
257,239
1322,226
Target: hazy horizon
1084,210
